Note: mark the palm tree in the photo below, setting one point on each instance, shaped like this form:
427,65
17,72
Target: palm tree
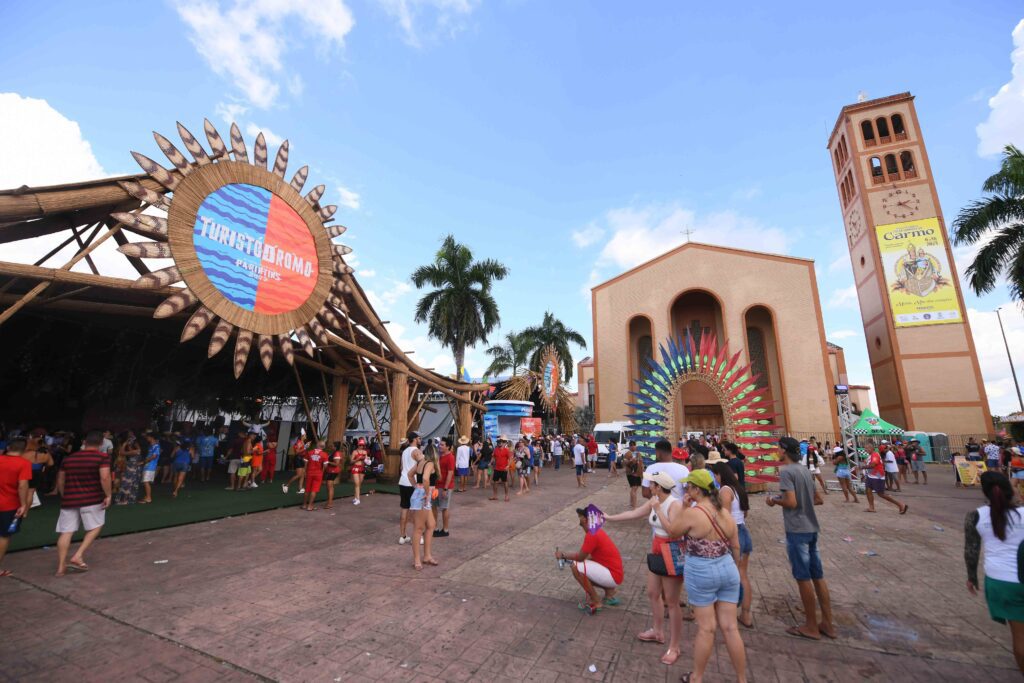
553,332
460,310
1000,220
512,355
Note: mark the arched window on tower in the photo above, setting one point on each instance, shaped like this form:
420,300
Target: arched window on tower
877,175
907,162
844,148
842,192
898,131
883,130
839,161
891,169
868,131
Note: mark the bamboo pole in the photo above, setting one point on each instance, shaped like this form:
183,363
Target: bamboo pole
366,386
305,404
38,289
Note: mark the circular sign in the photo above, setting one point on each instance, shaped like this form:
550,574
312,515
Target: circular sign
250,247
255,249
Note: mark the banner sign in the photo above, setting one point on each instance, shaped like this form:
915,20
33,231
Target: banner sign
531,426
918,275
968,471
255,249
491,426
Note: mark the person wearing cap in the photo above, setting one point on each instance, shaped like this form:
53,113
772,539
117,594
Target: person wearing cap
916,456
797,498
462,456
663,592
844,472
359,456
681,452
712,577
598,564
410,456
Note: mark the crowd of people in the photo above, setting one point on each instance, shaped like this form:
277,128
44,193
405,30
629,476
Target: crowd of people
692,495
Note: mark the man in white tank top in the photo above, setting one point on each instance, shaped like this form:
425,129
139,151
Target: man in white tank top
410,456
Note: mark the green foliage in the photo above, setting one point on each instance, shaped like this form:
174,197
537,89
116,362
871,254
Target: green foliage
460,309
998,222
554,332
510,356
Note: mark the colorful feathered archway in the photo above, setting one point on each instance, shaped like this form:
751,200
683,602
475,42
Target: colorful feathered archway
746,409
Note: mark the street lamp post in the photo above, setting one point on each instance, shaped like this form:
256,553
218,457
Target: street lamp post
1010,358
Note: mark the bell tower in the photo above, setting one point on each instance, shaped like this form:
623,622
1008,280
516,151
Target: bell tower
922,355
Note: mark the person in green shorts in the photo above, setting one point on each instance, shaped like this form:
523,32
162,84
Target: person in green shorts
998,527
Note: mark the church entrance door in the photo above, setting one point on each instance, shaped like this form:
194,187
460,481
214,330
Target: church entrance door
697,409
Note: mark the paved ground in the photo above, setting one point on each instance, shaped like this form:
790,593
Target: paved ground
297,596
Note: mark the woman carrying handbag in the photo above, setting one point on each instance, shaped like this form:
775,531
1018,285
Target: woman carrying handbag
665,581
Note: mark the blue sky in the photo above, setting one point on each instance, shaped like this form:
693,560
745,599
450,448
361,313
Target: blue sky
570,140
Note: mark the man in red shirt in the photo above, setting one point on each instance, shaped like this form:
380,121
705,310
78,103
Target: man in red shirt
316,460
502,455
15,474
598,564
445,486
83,483
874,483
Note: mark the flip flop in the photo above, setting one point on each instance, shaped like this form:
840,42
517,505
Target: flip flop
78,566
668,659
649,637
905,508
830,636
6,572
749,626
611,602
797,633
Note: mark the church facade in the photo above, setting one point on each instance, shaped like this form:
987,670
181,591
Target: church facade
764,306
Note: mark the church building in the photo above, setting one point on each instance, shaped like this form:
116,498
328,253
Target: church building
764,306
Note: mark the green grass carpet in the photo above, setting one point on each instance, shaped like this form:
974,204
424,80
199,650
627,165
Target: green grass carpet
197,502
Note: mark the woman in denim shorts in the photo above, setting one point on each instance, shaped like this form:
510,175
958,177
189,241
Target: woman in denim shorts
711,577
734,497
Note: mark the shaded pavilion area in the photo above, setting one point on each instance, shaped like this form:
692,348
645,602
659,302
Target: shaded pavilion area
81,346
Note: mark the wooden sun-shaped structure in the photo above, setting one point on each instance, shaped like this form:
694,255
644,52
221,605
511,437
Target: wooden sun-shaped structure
253,265
550,378
746,408
208,289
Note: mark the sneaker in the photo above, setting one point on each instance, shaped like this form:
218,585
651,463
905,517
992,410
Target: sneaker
301,491
402,540
443,534
284,488
255,485
356,501
437,533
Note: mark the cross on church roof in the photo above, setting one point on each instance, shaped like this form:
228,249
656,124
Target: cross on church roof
688,232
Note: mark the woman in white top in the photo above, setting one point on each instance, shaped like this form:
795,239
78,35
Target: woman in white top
814,462
734,498
661,488
998,528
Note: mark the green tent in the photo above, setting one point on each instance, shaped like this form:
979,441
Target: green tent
870,424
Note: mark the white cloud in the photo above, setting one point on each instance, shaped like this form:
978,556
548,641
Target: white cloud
428,353
449,17
745,194
841,263
348,198
588,235
841,334
247,41
639,234
272,138
43,147
1005,123
383,301
844,298
230,112
367,273
995,368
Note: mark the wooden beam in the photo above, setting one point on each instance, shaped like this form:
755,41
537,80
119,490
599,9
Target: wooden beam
48,275
313,364
417,373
